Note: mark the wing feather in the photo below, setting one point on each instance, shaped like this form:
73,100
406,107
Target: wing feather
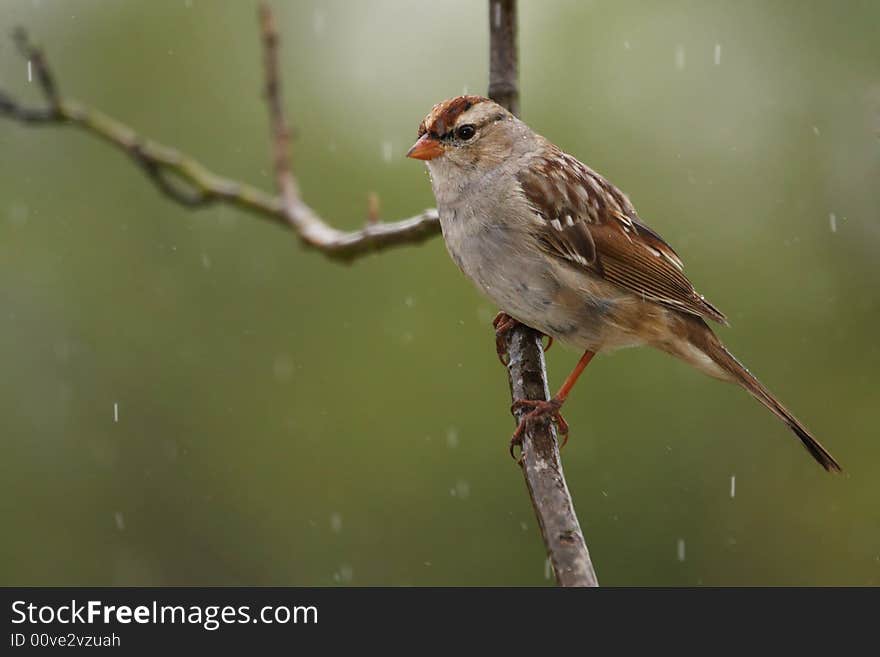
587,221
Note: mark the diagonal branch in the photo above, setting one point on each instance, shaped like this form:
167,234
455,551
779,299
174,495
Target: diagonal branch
191,184
541,464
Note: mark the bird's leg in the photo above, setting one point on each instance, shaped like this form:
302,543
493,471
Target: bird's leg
541,409
503,324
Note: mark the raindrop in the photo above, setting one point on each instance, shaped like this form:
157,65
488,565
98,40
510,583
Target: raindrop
717,54
626,45
344,575
452,438
679,57
336,522
282,368
30,74
318,23
120,521
832,222
681,549
816,131
206,261
116,411
732,486
523,525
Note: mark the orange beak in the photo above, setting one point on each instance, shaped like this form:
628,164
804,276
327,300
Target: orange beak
426,148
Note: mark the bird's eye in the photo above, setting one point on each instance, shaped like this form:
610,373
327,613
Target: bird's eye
465,132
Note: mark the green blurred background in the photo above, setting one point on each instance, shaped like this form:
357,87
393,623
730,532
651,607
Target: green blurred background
283,419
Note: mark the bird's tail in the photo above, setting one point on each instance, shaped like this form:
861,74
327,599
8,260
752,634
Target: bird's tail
711,346
698,345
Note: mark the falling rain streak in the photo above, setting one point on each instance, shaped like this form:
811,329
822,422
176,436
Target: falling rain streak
732,486
679,57
681,549
832,222
116,411
344,575
717,54
318,23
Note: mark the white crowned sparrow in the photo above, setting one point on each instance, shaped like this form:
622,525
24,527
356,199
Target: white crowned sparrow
560,249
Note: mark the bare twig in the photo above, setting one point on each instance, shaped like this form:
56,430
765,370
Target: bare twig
36,59
541,465
278,123
189,183
308,225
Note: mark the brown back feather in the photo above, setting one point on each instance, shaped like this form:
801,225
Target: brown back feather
586,220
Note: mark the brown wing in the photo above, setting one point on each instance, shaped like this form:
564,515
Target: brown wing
586,220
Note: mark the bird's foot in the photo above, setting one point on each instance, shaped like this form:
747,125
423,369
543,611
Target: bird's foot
540,410
503,324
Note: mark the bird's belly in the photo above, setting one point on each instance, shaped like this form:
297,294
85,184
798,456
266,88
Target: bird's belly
573,307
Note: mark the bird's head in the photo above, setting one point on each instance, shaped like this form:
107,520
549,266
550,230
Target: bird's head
465,134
